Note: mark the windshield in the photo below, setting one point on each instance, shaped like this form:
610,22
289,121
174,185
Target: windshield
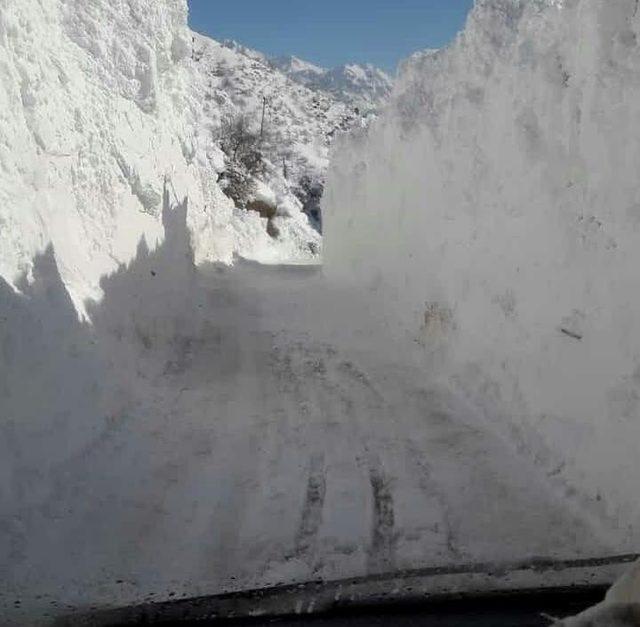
298,293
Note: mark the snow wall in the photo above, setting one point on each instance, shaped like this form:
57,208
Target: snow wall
494,211
100,104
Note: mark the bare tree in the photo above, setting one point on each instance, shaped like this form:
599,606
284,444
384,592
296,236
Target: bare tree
245,161
241,144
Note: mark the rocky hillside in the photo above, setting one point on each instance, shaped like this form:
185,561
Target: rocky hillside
290,111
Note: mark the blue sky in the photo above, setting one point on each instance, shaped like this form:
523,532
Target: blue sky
332,32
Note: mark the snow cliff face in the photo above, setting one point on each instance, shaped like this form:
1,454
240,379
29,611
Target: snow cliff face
100,105
90,98
494,208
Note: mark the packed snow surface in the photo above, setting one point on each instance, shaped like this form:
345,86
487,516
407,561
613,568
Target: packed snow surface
217,429
494,210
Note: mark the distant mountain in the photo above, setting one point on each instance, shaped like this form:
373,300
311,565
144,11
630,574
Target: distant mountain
293,66
364,86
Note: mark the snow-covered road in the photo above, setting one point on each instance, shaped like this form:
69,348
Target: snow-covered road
278,437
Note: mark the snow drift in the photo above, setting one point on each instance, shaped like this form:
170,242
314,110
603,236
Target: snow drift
494,210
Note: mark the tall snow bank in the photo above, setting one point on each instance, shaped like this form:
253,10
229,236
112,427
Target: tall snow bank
495,210
100,103
69,387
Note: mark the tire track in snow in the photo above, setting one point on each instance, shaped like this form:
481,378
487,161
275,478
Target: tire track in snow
383,536
382,549
365,406
424,475
331,426
295,507
311,518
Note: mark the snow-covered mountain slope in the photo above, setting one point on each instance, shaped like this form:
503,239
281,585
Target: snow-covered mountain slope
100,103
362,86
296,118
495,208
296,68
